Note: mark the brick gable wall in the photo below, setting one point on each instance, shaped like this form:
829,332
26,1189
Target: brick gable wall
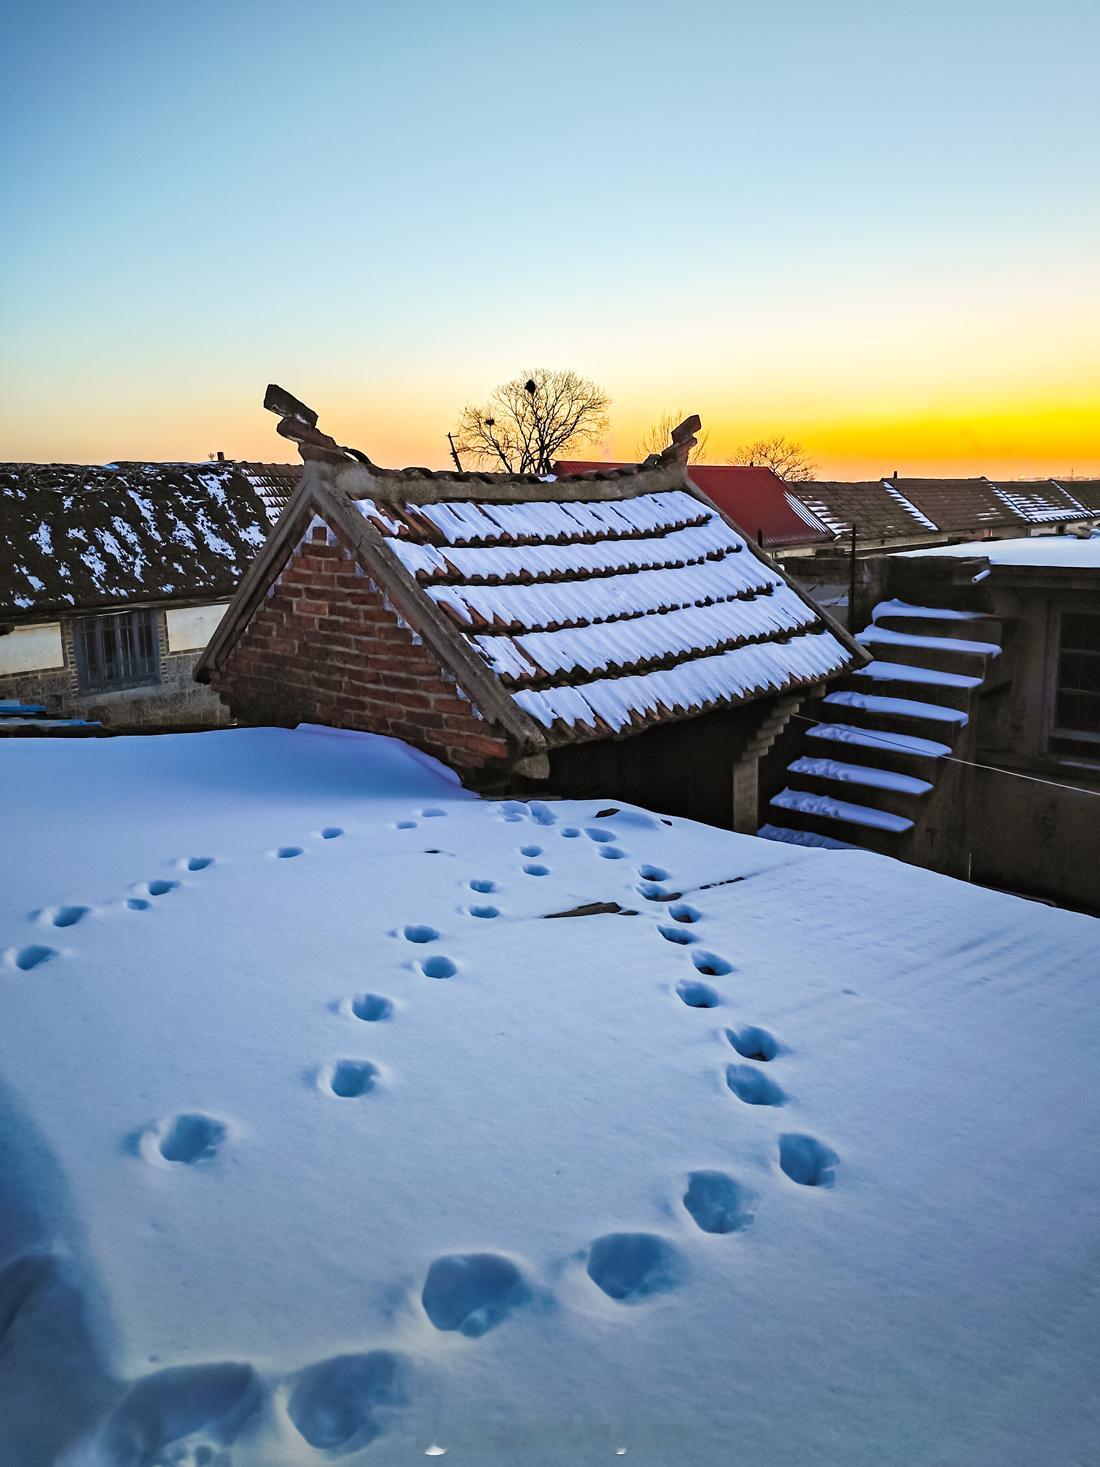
324,648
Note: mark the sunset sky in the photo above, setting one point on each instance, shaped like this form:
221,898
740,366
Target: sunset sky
874,227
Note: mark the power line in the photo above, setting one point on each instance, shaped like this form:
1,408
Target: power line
953,759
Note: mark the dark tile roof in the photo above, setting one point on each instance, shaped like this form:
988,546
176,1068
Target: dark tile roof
755,498
94,536
959,504
1039,501
876,510
1086,492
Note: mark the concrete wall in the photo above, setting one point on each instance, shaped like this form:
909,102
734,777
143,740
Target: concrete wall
32,649
1037,841
177,700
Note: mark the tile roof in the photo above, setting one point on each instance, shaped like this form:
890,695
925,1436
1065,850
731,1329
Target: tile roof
1039,501
958,504
1085,491
571,609
93,536
876,513
754,497
598,617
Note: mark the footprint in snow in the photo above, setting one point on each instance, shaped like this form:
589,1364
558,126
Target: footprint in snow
717,1203
419,932
32,956
601,835
611,853
182,1140
438,966
483,911
473,1292
569,831
286,853
197,1406
332,832
433,811
160,886
405,825
530,850
653,873
677,935
483,885
711,964
684,912
349,1079
62,916
542,814
372,1008
630,1267
533,868
195,863
807,1161
697,995
343,1404
753,1044
753,1086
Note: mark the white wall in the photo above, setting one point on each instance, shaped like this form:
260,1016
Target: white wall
31,649
193,627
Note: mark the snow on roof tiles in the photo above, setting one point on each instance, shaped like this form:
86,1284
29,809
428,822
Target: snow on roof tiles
602,615
75,536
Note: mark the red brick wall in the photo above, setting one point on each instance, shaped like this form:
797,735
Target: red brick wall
323,649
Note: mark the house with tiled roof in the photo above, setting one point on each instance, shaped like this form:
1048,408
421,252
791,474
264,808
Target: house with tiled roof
751,496
112,578
612,631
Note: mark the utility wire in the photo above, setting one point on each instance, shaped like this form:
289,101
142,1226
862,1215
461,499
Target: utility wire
953,759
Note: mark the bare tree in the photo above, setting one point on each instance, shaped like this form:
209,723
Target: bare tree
786,457
654,439
529,422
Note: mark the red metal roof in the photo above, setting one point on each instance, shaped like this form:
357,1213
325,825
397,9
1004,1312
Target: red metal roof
754,498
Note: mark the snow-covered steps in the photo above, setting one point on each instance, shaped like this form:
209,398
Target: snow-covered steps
886,611
928,684
907,715
943,654
874,829
804,838
880,748
902,672
861,774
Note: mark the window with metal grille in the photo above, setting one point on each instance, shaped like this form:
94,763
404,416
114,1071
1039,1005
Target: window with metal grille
1077,694
116,651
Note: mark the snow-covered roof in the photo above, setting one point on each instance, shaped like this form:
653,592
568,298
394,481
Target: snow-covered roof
886,508
598,615
1069,551
583,608
78,537
322,1143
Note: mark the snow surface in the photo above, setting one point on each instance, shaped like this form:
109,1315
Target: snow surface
1061,550
319,1143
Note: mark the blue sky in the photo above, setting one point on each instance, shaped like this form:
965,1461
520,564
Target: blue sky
840,221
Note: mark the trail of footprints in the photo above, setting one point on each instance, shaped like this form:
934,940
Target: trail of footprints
342,1404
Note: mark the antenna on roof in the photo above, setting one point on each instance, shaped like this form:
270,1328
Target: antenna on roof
454,452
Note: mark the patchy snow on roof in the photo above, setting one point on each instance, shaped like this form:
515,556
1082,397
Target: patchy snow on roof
89,536
320,1142
603,615
1041,550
